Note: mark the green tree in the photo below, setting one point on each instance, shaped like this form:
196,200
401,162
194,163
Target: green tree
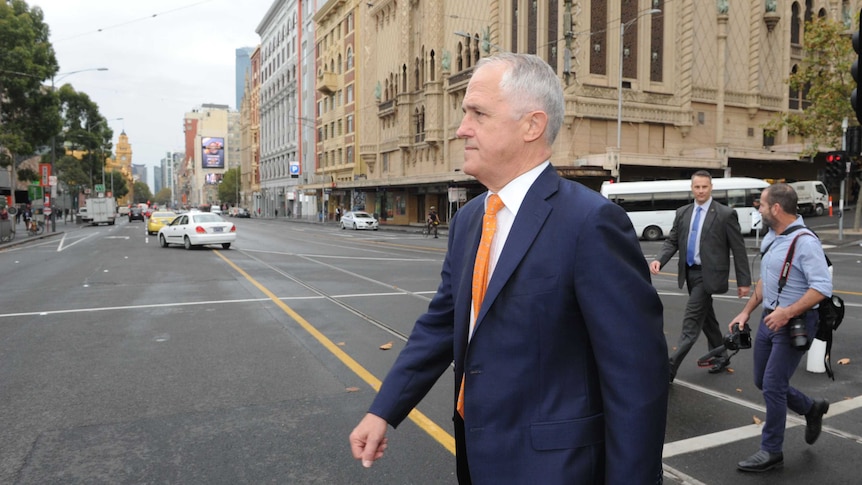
228,190
116,184
824,77
163,197
84,130
142,193
28,110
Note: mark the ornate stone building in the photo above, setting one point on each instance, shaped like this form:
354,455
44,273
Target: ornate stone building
655,89
122,164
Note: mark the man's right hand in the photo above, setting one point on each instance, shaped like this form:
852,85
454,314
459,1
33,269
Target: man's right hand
654,267
368,440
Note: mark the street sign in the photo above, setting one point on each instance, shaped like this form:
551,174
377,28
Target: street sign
47,211
44,174
52,180
100,187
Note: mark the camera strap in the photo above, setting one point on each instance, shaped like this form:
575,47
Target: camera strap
785,268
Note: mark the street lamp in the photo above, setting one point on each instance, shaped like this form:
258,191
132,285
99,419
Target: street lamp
54,78
620,79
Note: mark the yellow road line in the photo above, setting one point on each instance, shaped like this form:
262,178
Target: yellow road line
420,419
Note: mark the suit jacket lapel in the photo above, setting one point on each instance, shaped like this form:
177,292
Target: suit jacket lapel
531,217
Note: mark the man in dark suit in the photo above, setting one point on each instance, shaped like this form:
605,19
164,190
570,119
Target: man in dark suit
705,233
560,372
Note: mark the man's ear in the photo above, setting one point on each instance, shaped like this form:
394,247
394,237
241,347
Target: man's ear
536,122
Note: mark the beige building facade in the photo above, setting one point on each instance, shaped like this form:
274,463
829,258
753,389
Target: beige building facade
654,89
205,129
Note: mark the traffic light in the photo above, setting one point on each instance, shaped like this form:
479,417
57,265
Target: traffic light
855,97
836,165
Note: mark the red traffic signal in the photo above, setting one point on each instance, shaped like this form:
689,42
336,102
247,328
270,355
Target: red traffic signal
836,165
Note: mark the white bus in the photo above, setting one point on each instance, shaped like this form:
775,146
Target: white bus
651,206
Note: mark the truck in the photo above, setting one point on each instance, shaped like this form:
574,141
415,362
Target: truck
100,210
813,196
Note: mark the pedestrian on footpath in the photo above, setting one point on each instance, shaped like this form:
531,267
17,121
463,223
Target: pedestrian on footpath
705,233
545,306
787,324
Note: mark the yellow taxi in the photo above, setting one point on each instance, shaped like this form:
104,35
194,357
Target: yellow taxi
159,220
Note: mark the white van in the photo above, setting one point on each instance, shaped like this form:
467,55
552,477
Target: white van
813,196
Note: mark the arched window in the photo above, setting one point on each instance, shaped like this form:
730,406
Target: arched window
349,58
460,57
793,95
432,67
795,23
339,64
417,81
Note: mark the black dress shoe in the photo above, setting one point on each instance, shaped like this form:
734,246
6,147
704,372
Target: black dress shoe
814,420
718,368
761,461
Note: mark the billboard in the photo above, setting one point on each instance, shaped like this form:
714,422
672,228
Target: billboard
213,178
212,149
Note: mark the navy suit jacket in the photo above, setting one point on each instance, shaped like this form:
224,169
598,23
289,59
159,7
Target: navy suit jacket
719,237
567,368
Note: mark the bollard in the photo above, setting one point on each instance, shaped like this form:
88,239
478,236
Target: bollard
830,206
816,357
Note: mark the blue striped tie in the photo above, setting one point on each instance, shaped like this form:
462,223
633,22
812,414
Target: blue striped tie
692,237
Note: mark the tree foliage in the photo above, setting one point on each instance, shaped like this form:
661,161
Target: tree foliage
163,197
228,190
142,193
28,109
825,81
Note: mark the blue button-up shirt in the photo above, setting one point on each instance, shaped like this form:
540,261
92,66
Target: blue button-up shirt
808,269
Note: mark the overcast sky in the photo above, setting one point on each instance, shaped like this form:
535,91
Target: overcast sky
164,58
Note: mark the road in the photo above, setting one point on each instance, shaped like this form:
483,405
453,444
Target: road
124,362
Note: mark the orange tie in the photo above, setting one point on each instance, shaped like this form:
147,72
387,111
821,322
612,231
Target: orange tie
480,270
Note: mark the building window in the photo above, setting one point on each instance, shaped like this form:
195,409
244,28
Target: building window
599,38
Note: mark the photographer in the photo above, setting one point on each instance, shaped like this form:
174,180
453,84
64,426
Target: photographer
787,324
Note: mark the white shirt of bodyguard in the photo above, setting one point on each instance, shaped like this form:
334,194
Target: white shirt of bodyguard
512,196
703,212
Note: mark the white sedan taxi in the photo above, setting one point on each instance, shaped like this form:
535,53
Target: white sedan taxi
198,229
358,220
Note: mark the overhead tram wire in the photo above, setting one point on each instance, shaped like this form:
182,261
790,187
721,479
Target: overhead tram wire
129,22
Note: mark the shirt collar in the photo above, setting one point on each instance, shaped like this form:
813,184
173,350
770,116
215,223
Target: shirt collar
514,192
705,205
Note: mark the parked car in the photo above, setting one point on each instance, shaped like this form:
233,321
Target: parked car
243,212
136,214
358,220
159,220
215,210
198,229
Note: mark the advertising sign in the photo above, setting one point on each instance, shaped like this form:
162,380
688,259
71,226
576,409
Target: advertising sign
212,149
213,178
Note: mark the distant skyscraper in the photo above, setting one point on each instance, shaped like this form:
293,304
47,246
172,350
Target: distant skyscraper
243,64
139,173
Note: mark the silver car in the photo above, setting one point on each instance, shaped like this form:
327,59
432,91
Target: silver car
358,220
198,229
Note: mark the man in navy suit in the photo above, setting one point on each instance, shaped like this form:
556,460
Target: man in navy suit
563,366
705,232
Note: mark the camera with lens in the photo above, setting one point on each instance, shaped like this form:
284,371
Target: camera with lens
798,333
739,338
